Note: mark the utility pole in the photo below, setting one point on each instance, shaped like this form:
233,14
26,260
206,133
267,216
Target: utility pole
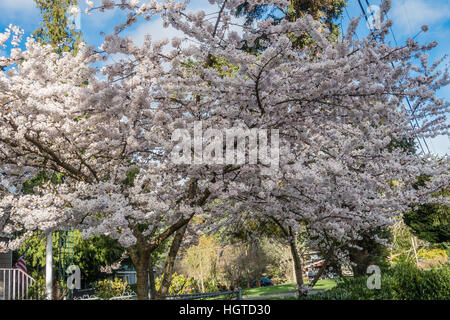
48,267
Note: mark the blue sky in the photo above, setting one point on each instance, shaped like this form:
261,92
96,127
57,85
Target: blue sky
408,17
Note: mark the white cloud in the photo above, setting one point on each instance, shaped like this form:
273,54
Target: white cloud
439,145
156,30
22,13
100,20
410,15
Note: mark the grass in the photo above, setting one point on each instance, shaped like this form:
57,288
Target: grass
262,291
286,288
325,284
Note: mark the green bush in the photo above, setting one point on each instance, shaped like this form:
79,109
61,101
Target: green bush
36,291
107,289
211,285
404,281
350,288
179,284
411,283
432,254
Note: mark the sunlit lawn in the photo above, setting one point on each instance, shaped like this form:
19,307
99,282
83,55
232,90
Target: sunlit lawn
285,288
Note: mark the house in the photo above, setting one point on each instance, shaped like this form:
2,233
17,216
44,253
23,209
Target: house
6,260
14,282
5,263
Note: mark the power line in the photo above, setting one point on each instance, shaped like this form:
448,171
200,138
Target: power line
392,64
407,99
350,20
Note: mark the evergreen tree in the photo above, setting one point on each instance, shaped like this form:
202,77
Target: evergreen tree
430,222
56,27
326,11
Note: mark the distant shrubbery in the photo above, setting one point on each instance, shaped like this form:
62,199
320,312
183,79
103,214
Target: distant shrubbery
404,281
432,258
37,289
179,284
107,289
407,282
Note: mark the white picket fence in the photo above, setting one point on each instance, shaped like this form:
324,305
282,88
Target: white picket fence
14,284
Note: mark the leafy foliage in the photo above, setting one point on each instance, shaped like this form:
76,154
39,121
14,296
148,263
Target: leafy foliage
407,282
404,281
326,11
431,254
430,222
107,289
89,255
37,289
55,26
180,284
40,179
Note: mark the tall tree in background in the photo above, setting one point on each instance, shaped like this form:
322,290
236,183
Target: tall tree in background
89,254
325,11
431,221
56,27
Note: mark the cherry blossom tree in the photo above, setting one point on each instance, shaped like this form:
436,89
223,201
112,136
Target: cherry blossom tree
109,130
58,119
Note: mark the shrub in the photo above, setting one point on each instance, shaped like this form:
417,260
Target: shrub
212,285
353,288
403,281
179,284
107,289
36,291
432,254
432,258
410,283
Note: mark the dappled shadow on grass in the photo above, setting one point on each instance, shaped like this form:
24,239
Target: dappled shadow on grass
324,284
282,288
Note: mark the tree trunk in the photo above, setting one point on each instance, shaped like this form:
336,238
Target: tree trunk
294,277
297,265
140,254
170,261
140,258
361,259
153,293
319,274
142,280
336,268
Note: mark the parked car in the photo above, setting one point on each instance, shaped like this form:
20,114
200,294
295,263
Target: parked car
264,282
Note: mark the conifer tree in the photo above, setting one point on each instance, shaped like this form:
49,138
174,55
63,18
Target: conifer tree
56,27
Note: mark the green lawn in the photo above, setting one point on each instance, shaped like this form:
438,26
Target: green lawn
285,288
